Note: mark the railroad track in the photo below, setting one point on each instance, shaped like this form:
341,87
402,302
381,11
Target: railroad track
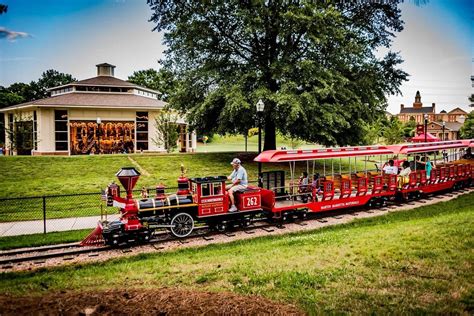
39,256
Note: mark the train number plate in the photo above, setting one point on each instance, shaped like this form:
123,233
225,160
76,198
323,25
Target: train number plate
251,202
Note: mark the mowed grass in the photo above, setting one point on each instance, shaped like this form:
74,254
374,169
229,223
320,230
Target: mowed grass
417,261
35,240
33,176
37,176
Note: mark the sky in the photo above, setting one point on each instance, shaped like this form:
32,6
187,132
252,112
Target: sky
72,36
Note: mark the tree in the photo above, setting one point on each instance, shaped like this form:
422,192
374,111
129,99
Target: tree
167,130
8,98
161,81
393,131
3,8
20,136
19,92
312,63
49,79
409,128
467,130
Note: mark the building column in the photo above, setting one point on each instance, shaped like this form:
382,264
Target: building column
193,141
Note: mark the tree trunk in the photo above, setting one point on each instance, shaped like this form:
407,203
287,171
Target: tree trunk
270,135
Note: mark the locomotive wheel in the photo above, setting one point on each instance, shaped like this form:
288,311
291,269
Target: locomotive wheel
221,227
182,225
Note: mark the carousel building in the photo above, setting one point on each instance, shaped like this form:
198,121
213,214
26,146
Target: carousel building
102,114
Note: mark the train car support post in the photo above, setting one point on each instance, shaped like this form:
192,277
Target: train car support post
260,109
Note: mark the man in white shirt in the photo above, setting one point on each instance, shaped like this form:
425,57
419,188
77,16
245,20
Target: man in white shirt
390,168
239,181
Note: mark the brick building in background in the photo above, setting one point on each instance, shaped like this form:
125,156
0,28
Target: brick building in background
453,120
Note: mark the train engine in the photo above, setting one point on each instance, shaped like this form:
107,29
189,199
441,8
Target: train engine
203,200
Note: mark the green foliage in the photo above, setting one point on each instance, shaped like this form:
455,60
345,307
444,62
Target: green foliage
20,137
49,79
8,98
19,92
467,130
166,130
374,131
252,132
409,128
161,81
393,131
311,62
293,142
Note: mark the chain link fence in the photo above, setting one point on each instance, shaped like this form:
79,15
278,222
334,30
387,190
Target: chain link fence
48,213
65,212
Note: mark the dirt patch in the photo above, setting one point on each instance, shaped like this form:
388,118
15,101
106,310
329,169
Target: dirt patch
163,301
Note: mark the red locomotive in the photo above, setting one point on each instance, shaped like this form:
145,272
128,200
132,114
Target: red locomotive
205,200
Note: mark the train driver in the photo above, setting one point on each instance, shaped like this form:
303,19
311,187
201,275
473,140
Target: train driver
239,181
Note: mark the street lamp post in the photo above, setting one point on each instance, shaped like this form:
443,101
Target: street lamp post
98,131
426,127
444,126
260,107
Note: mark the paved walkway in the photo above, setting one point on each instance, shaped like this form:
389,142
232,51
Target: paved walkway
52,225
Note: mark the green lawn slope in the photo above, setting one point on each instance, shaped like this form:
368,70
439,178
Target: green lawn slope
50,175
417,261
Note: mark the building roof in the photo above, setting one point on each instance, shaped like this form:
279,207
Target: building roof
105,65
88,99
443,112
104,81
452,126
458,109
416,110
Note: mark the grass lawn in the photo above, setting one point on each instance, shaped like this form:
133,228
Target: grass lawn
36,240
417,261
237,143
36,176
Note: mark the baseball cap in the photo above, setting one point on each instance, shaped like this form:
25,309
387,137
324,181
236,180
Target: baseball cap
236,161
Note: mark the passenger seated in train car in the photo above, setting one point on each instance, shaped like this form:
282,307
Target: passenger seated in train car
403,177
303,182
390,168
416,164
445,156
468,154
316,184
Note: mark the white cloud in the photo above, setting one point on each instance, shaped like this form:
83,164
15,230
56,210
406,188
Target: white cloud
12,35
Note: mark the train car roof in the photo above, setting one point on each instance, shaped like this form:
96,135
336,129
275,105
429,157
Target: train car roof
322,153
469,142
427,147
209,179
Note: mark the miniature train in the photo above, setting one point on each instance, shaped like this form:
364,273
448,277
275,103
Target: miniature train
205,200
